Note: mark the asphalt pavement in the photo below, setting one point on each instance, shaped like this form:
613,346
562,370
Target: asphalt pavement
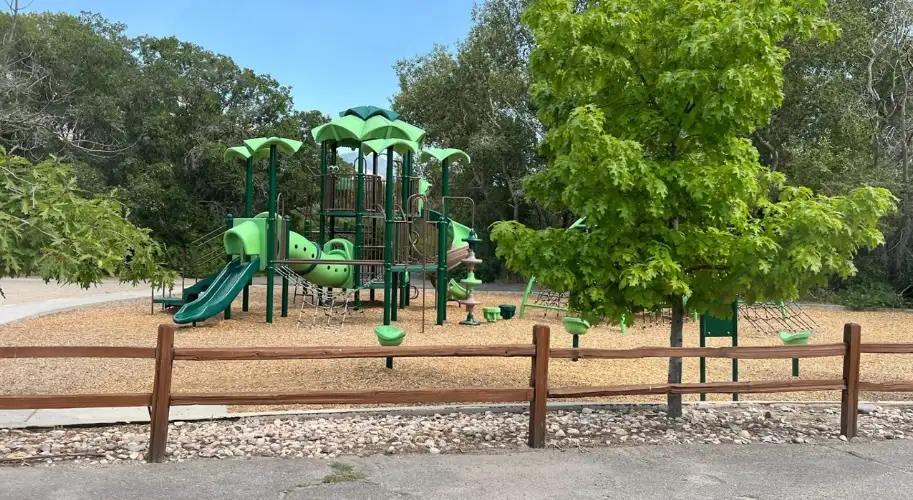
879,470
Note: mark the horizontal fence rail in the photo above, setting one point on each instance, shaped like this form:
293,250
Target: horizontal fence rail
536,393
383,396
893,386
708,387
772,352
77,352
886,348
273,353
54,402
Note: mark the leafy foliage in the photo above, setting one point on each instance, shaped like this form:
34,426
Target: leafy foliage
475,97
647,105
152,117
50,229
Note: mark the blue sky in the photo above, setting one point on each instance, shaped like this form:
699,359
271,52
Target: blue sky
313,46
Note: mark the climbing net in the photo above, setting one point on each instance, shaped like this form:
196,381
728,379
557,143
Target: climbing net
772,318
320,303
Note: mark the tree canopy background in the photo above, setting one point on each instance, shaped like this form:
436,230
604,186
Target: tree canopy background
151,116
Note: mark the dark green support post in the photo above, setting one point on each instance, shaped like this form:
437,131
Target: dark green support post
442,270
271,235
394,290
322,221
795,367
575,344
388,238
248,212
389,363
286,223
442,244
407,189
230,224
359,220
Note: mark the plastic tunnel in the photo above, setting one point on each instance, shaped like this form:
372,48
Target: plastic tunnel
329,275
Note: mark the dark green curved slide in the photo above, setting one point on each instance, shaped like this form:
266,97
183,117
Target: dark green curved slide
220,294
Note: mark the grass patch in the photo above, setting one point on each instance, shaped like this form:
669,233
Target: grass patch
343,473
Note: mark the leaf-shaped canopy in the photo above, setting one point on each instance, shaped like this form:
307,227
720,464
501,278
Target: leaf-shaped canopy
285,146
239,152
415,134
401,146
243,153
365,112
351,129
444,154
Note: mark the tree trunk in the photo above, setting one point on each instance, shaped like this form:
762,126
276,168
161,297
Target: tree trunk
674,401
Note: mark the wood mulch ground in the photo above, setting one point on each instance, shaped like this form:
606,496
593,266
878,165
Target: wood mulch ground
131,324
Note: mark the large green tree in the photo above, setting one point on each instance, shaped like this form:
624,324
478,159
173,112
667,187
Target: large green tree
648,105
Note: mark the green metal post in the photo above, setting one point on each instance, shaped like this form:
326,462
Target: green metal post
359,220
735,343
407,189
249,189
394,290
388,239
322,228
442,270
287,230
271,235
795,367
389,363
248,212
230,224
575,344
529,288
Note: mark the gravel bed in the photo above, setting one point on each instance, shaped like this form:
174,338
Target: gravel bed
452,433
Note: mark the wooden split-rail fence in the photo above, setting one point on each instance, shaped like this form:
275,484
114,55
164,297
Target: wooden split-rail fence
537,393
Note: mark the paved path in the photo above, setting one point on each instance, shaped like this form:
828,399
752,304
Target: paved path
879,470
25,300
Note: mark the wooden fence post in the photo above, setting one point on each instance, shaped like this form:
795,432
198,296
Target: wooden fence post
538,380
849,400
161,394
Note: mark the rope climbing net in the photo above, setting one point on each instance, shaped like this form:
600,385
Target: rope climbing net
772,318
331,304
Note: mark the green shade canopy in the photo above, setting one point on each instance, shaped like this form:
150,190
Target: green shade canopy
239,152
415,134
400,146
366,123
444,154
285,146
243,153
365,112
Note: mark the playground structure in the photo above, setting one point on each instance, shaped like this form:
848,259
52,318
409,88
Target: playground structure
374,229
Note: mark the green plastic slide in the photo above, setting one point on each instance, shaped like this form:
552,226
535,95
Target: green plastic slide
220,294
456,231
456,291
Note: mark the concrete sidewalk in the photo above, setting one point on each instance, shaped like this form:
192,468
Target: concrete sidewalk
879,470
17,419
22,303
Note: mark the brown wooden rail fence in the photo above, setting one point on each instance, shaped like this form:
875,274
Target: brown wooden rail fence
536,393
